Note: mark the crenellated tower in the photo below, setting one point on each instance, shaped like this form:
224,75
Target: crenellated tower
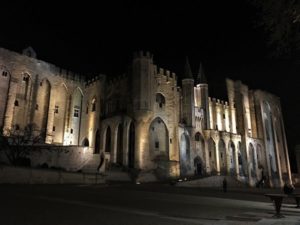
188,102
201,97
142,81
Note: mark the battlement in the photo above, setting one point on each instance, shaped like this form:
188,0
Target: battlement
161,71
69,75
117,80
94,79
217,101
142,54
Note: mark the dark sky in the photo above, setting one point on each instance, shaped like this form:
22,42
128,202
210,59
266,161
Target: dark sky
92,38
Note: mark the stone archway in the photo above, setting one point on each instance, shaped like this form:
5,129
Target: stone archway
222,157
131,145
232,158
242,162
184,154
199,164
252,160
120,145
108,140
158,139
97,142
212,156
85,142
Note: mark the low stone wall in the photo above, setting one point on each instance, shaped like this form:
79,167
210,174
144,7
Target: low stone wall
213,181
69,158
19,175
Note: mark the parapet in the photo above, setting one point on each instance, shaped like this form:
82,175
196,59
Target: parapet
142,54
167,74
95,78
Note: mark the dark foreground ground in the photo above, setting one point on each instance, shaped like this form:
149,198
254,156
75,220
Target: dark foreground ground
143,204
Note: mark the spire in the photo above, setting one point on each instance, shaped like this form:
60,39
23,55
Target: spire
201,79
187,70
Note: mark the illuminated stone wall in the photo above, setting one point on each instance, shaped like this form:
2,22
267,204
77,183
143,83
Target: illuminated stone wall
144,120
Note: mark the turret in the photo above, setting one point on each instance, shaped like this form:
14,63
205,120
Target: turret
142,81
188,102
201,96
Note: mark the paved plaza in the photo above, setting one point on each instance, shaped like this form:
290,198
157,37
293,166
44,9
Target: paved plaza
142,204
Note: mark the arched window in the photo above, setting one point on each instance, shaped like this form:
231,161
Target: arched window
108,140
197,136
97,142
4,73
85,143
94,105
16,103
160,100
17,127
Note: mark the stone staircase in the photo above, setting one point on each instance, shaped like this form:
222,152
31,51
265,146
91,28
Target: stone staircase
212,181
117,174
92,165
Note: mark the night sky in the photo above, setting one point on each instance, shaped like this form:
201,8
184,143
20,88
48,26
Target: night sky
92,38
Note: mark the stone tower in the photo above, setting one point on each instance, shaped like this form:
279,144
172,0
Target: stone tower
201,97
188,102
142,82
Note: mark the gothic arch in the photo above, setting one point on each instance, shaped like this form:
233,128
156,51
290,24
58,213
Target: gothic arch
97,142
131,145
242,160
158,138
232,158
200,153
222,157
120,144
252,160
85,142
212,156
185,154
160,100
108,139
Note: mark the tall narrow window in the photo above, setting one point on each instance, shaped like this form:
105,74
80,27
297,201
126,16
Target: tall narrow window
76,112
16,103
56,109
87,109
4,73
94,105
160,99
36,107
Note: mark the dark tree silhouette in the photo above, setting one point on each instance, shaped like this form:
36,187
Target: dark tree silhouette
280,20
16,143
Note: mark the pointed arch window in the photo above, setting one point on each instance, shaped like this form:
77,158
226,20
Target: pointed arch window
197,136
160,100
4,73
94,105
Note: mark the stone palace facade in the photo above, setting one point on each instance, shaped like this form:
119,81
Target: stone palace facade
144,120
